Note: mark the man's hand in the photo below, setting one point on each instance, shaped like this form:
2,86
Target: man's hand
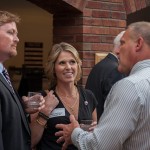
66,131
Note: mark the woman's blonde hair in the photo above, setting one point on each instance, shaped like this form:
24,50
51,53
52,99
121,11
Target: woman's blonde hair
52,57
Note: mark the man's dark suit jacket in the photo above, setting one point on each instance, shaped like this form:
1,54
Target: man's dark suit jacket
101,78
14,128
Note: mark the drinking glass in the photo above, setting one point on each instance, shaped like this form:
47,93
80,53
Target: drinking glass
86,124
33,100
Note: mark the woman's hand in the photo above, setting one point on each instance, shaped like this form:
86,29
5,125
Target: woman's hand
51,102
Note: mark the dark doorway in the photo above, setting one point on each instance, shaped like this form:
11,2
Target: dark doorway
141,15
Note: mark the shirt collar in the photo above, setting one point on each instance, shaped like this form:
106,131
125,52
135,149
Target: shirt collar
140,65
1,67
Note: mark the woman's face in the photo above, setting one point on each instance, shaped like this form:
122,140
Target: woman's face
66,67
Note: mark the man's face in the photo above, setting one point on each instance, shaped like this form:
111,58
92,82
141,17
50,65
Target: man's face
8,41
127,53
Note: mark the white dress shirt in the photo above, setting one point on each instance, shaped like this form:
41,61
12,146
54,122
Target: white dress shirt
125,123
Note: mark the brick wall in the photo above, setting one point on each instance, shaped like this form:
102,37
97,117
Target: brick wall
89,25
92,30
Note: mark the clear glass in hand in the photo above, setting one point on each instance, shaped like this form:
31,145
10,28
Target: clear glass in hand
86,124
33,100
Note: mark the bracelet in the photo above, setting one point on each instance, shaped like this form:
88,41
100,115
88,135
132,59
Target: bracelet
40,114
40,123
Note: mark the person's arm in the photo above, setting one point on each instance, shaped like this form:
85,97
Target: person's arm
118,122
39,120
94,115
93,104
36,129
94,118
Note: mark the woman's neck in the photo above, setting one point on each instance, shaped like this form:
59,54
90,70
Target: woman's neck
66,91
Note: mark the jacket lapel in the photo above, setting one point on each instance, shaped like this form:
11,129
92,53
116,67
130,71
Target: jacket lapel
17,100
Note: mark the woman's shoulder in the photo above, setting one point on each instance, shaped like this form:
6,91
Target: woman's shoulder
88,96
81,88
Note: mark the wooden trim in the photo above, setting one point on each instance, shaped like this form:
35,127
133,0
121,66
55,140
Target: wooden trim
99,57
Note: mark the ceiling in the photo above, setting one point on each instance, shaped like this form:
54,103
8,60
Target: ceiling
55,6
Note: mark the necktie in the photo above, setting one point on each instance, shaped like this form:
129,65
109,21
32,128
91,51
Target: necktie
6,75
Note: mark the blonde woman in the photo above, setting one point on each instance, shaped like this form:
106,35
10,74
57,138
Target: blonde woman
63,69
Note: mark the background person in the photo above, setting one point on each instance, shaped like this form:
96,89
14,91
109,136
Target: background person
125,122
104,74
63,70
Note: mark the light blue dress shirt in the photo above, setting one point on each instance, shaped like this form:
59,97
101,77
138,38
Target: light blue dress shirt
1,69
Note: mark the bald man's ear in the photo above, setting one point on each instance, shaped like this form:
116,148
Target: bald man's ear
140,43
